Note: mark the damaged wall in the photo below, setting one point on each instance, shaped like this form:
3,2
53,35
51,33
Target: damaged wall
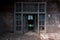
53,17
52,22
9,17
6,18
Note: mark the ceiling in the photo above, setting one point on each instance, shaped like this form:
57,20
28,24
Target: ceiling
5,4
36,0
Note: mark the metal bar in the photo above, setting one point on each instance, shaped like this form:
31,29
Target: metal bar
38,17
30,12
26,12
30,2
18,25
38,34
14,17
45,15
22,16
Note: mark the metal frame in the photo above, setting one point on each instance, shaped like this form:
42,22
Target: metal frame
22,16
14,17
45,15
28,13
30,2
38,19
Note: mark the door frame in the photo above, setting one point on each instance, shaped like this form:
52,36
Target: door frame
34,15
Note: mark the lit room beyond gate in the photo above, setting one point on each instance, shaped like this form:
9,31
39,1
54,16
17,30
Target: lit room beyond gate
30,22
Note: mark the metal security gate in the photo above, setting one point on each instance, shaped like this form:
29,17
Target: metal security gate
30,8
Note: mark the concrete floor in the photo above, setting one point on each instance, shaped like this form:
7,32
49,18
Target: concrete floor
26,36
32,36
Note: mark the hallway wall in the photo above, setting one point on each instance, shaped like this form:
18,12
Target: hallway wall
53,22
6,18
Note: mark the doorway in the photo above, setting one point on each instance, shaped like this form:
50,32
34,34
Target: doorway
30,22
